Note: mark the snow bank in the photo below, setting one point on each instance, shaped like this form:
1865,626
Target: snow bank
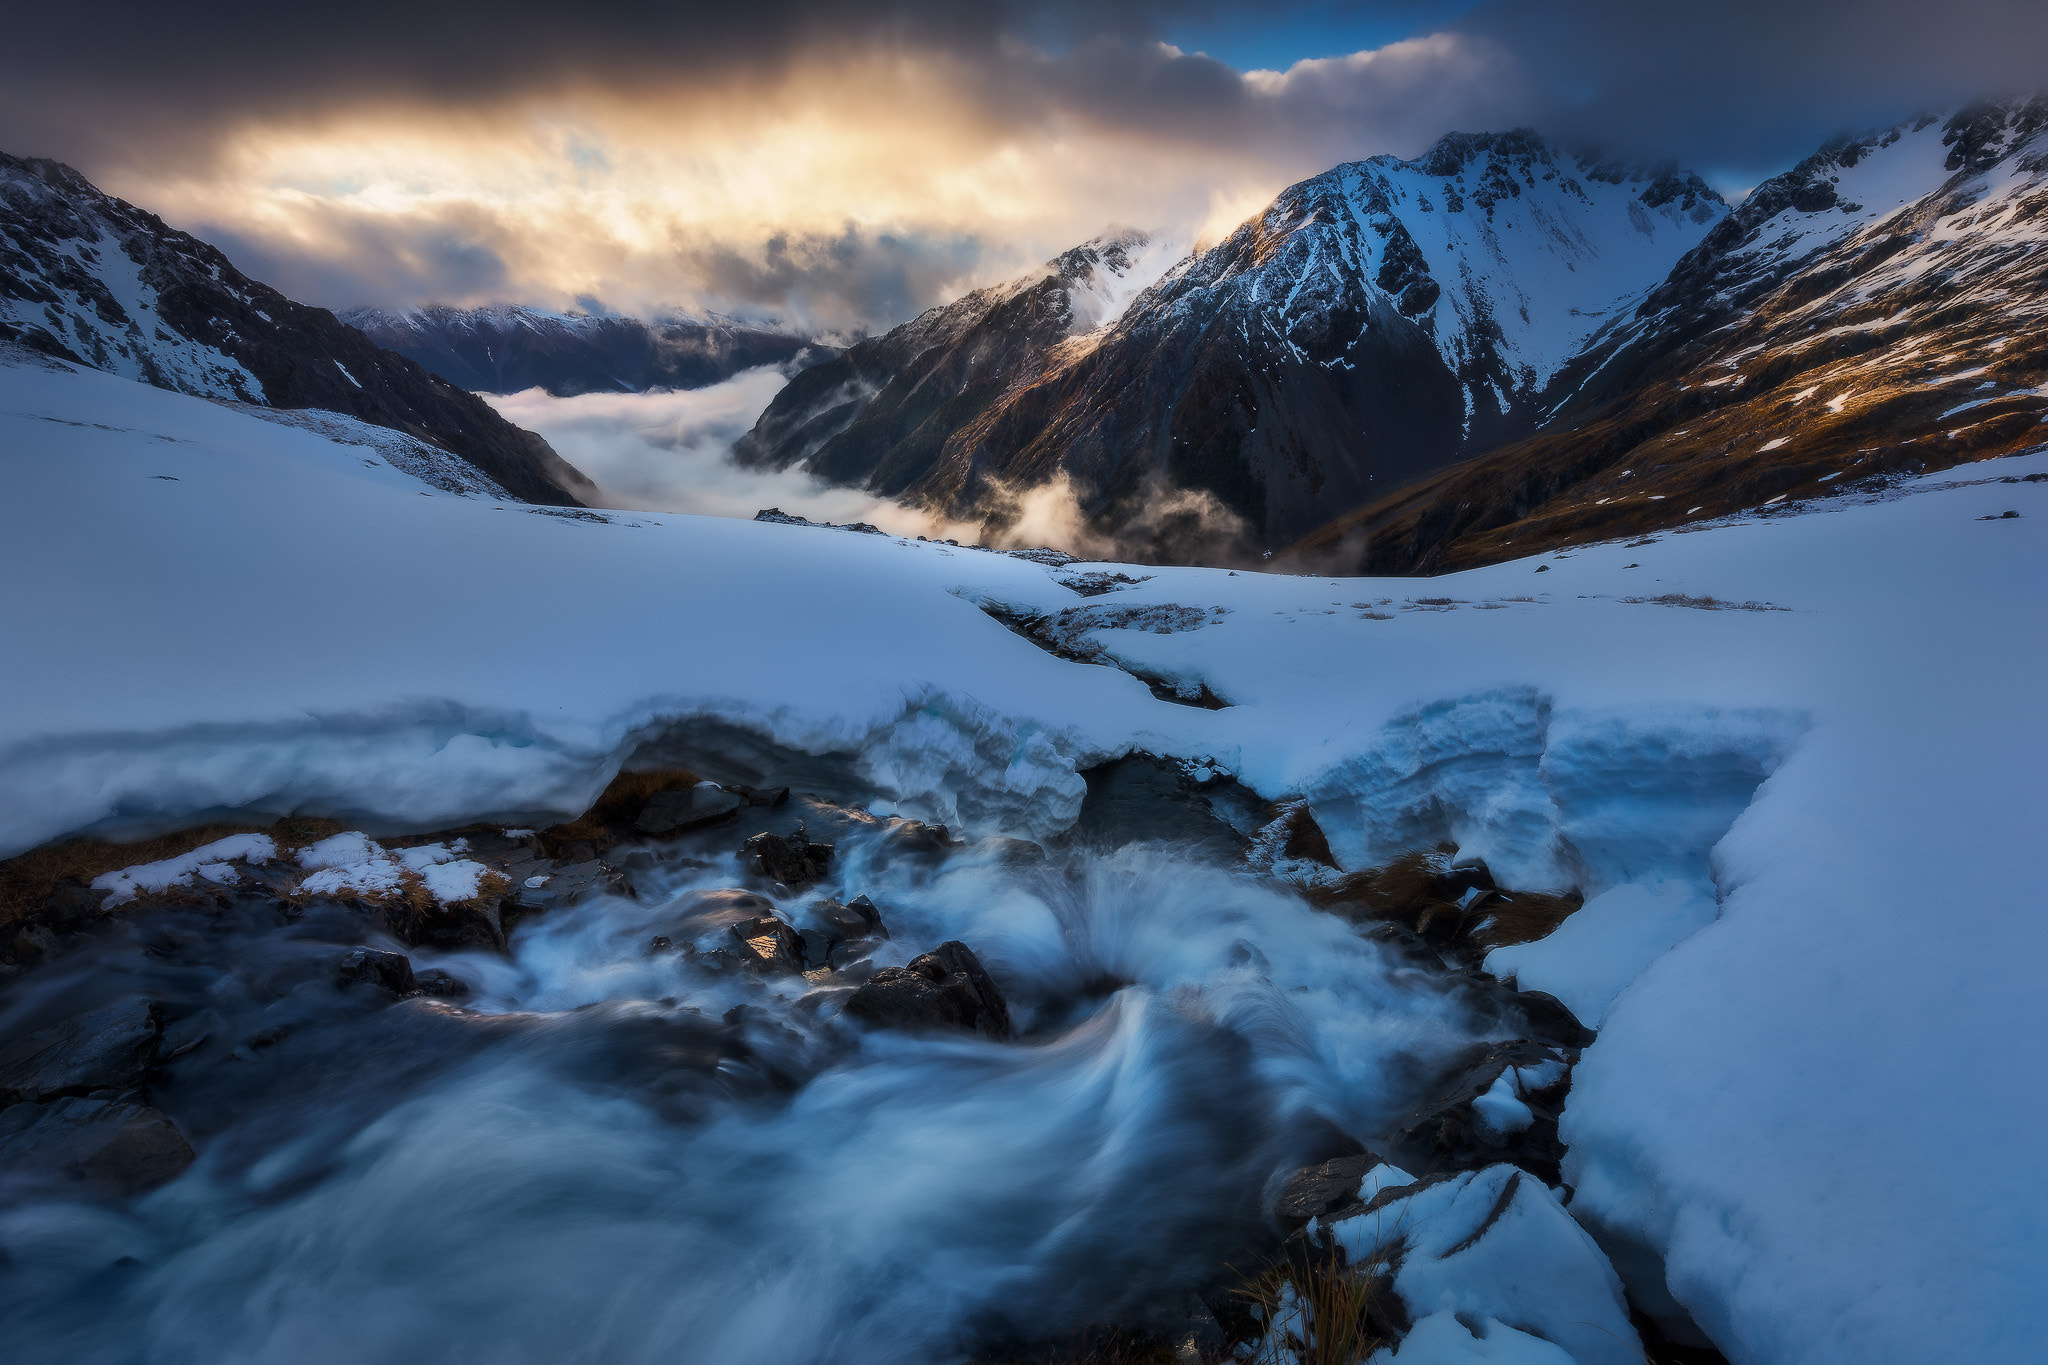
1591,957
211,612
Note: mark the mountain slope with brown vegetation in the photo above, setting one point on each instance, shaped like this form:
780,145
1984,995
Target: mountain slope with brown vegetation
1881,308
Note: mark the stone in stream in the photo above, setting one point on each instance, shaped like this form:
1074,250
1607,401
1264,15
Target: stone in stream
108,1048
668,813
390,971
85,1145
946,988
1323,1189
794,861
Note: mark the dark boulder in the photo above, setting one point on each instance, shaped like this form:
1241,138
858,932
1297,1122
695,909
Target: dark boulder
89,1146
109,1048
946,988
388,971
668,813
1323,1189
794,861
857,922
731,926
1501,1104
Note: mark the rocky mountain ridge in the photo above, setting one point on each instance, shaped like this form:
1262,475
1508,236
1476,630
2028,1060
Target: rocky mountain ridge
1880,308
507,348
1372,325
88,278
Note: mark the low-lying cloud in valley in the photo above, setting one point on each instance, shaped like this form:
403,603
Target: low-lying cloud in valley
667,452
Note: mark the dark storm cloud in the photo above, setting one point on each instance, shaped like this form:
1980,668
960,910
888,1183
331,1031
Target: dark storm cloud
1754,84
846,163
1747,82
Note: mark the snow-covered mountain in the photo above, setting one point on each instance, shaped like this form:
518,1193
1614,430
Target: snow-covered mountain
90,278
507,348
1880,308
881,415
1371,325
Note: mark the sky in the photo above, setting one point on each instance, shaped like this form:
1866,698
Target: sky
840,165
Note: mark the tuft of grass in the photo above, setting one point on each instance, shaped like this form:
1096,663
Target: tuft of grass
1325,1306
27,879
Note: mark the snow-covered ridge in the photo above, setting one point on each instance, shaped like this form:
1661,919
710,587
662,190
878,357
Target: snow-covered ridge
1510,251
76,273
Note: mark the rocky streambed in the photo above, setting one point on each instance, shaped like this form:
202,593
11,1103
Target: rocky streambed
729,1074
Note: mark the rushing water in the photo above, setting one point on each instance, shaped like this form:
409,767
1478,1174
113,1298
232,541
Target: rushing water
618,1156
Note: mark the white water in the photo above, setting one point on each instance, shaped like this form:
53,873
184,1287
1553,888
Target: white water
586,1188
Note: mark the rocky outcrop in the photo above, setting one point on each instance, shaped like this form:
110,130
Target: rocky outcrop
90,279
508,349
1880,309
1371,326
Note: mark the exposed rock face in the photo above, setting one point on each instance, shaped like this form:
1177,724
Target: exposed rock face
1879,308
1372,325
881,414
947,988
507,349
96,281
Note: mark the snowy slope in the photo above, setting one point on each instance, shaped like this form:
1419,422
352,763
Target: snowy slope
88,277
1819,1097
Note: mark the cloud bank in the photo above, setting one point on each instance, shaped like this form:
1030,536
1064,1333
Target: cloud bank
840,166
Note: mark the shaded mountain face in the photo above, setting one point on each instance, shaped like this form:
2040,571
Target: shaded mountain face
96,281
1882,307
507,349
1373,325
882,415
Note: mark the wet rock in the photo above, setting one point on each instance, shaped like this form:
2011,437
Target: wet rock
670,813
1323,1189
857,922
89,1146
770,797
104,1049
435,982
768,944
538,885
388,971
731,926
793,861
1501,1105
946,988
1140,798
478,923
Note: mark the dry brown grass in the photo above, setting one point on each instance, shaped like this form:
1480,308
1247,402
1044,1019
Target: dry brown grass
27,879
1331,1300
1522,917
618,803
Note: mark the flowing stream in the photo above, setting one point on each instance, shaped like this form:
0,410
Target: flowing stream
609,1153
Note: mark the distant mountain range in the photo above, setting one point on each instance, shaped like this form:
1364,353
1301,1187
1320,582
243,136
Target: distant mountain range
1497,347
91,279
1371,326
507,349
1397,366
1880,308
